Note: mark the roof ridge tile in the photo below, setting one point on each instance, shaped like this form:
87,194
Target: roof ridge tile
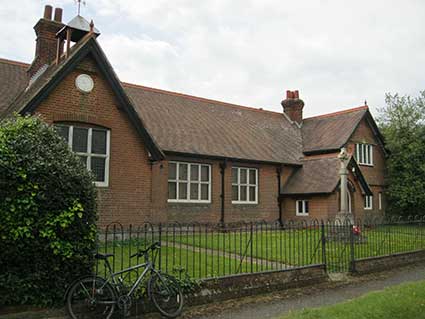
13,62
198,98
354,109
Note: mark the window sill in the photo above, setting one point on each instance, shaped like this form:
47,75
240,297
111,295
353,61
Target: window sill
368,165
173,201
302,215
244,203
368,208
101,184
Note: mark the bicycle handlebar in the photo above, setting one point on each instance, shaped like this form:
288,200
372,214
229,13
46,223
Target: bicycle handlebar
143,252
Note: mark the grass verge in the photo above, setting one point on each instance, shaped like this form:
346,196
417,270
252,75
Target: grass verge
403,301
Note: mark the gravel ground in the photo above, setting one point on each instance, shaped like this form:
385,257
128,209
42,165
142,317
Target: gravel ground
276,304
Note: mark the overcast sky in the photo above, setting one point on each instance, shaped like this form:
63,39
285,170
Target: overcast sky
336,53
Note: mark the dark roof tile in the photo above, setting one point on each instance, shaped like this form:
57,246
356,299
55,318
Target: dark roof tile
187,124
316,176
330,131
13,80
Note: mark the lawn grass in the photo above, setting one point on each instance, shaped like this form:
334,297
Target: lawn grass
171,259
300,247
291,247
385,240
398,302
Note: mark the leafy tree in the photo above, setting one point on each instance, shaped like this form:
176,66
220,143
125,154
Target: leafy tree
402,122
47,214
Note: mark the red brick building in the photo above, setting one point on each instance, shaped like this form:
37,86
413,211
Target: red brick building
166,156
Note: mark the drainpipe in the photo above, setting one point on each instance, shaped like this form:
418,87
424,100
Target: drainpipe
278,174
222,169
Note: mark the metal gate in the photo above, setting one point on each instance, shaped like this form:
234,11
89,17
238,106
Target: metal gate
339,246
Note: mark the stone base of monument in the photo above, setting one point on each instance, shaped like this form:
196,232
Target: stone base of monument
344,218
344,230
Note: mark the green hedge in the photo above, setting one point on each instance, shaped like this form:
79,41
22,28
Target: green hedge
47,214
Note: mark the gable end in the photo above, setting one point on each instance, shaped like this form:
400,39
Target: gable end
375,130
91,47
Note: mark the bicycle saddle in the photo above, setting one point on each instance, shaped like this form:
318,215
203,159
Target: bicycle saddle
102,256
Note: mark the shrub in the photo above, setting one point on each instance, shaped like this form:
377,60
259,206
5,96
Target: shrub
402,122
47,214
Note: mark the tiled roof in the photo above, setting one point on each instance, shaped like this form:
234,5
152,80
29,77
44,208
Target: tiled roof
330,131
13,80
187,124
316,176
320,175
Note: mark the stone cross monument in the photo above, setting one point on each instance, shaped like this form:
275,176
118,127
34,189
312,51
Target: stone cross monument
344,214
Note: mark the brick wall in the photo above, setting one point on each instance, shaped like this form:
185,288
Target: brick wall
319,207
327,205
128,197
384,263
138,189
266,209
375,175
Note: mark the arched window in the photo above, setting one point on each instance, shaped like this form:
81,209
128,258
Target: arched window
91,144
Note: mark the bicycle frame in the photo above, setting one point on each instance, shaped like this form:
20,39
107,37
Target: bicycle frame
149,266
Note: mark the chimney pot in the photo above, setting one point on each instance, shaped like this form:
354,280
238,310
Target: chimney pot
47,45
48,12
58,14
293,106
288,94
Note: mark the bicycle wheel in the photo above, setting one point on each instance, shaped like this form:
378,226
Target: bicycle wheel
90,297
166,295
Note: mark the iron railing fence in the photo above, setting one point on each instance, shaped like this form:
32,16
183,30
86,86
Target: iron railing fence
209,250
386,237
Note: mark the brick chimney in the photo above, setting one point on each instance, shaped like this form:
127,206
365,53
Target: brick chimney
46,41
293,106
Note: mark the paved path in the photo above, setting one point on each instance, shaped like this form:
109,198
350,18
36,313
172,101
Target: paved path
260,262
272,305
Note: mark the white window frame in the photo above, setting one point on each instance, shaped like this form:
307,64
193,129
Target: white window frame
366,152
89,153
247,184
189,182
301,203
368,202
380,200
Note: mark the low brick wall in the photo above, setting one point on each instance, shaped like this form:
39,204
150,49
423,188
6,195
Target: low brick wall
242,285
373,264
213,290
249,284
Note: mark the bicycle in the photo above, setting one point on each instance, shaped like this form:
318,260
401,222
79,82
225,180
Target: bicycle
97,297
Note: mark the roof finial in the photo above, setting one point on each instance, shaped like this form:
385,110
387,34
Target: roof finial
91,26
79,5
365,102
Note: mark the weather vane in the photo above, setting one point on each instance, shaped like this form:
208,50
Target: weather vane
79,4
